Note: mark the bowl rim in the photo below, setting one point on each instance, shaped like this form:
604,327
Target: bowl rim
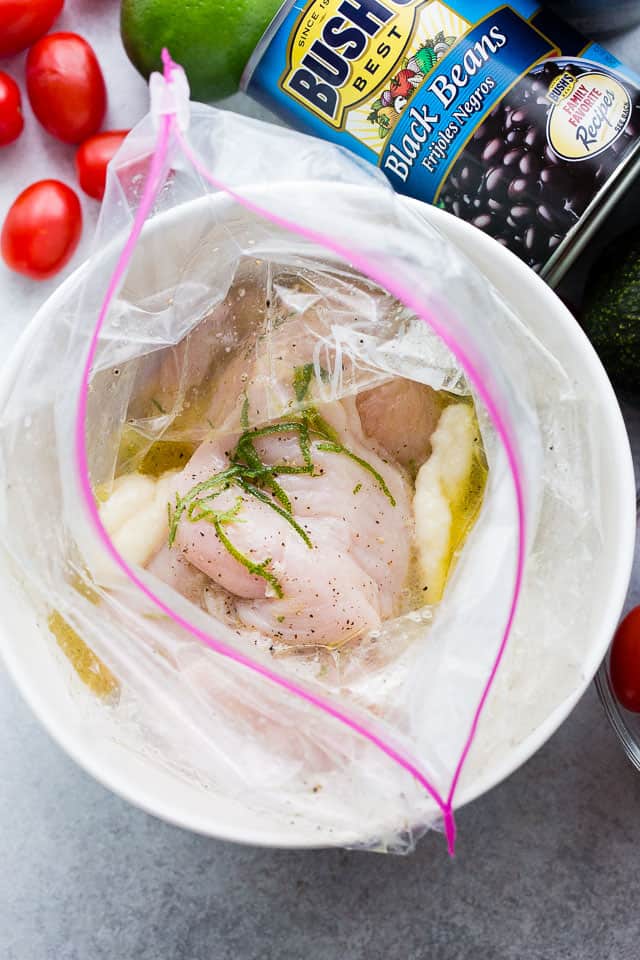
474,243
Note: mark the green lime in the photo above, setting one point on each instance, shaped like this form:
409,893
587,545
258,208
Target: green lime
211,39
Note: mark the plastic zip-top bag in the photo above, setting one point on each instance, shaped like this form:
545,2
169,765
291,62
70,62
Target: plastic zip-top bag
289,475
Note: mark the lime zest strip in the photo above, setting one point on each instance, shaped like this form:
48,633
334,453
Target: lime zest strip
259,480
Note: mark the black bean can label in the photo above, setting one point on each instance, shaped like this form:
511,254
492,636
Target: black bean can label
505,117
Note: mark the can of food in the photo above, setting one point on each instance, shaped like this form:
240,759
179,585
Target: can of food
506,117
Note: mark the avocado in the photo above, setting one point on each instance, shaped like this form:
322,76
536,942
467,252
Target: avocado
611,311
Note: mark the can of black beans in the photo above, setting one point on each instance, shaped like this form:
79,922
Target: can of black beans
506,117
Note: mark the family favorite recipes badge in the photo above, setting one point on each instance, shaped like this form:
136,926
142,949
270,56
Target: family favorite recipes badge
588,115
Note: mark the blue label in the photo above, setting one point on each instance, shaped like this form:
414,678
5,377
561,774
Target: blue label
504,116
445,110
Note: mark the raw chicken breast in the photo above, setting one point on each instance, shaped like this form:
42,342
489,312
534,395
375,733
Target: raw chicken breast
343,573
400,415
263,374
173,568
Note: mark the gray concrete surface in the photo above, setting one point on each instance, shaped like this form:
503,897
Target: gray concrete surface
547,863
546,869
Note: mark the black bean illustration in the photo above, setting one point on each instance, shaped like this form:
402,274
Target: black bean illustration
512,157
496,182
519,120
470,177
521,212
510,182
551,156
518,187
534,138
492,151
556,180
482,221
529,165
547,214
515,138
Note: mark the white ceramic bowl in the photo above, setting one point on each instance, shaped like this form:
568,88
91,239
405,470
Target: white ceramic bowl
26,647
